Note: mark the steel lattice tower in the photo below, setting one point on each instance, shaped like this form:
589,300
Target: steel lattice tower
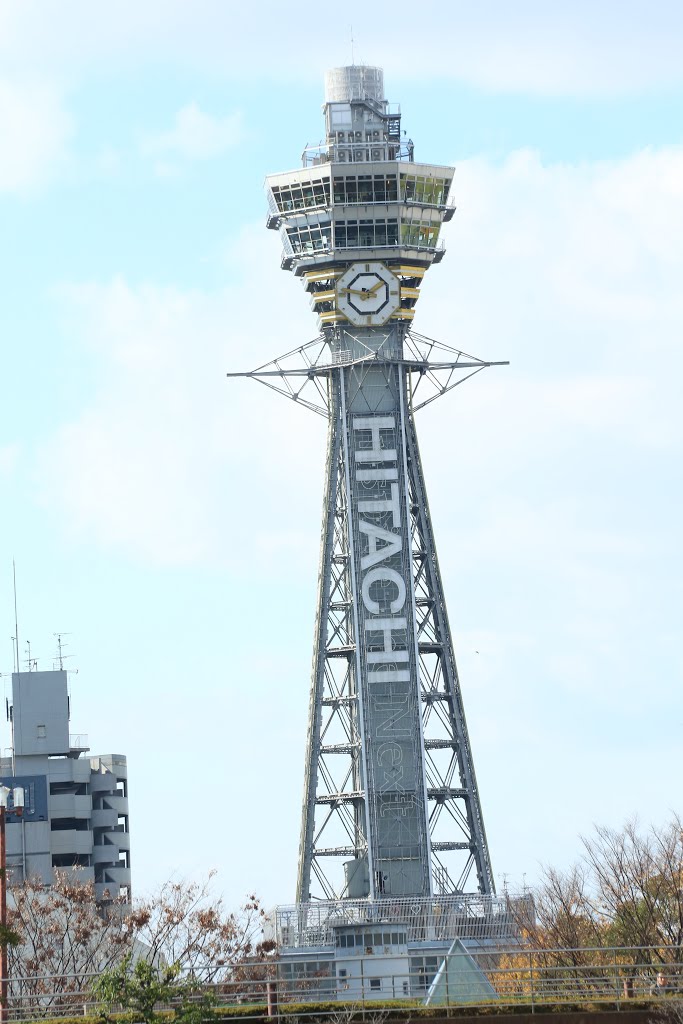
391,806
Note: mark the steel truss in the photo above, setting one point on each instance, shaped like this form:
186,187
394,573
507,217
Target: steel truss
335,816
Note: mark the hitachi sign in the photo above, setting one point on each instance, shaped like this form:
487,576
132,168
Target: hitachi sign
383,538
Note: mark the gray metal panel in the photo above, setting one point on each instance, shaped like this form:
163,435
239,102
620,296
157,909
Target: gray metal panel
354,82
36,838
375,456
40,713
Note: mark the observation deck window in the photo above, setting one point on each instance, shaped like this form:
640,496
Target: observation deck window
354,234
302,195
308,238
366,188
420,234
419,188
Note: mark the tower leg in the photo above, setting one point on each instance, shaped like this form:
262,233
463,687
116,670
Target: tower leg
455,817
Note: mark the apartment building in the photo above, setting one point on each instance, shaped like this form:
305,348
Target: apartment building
76,806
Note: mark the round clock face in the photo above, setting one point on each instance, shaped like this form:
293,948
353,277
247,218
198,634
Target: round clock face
368,294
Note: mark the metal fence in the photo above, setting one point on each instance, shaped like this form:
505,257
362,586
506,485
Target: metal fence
469,916
360,986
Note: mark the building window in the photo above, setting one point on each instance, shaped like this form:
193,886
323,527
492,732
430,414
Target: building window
365,234
365,188
424,190
302,195
72,788
422,971
70,825
70,860
375,983
419,234
308,238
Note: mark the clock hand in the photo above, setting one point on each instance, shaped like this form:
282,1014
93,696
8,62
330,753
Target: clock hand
354,291
376,286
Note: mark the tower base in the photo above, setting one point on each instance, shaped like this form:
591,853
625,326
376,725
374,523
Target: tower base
386,949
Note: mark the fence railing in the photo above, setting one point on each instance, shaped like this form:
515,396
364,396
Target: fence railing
362,984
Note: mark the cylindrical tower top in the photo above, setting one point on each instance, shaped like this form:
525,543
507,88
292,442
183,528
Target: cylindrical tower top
355,82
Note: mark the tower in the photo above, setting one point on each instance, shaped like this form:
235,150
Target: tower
391,807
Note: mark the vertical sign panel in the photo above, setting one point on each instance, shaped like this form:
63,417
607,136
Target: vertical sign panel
388,685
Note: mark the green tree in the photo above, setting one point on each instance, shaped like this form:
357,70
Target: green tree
146,989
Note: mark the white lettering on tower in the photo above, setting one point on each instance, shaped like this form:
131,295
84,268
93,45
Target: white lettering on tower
383,591
384,565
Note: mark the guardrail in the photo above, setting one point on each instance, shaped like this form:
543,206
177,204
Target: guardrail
356,988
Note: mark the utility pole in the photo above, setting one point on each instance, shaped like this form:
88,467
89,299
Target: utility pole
17,809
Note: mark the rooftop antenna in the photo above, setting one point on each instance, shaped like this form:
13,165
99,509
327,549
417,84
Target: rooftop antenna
352,60
16,619
61,656
32,663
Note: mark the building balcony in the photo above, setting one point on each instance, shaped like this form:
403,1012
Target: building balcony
120,839
115,804
111,842
69,805
80,875
106,783
78,743
422,255
106,854
69,841
70,769
104,817
117,876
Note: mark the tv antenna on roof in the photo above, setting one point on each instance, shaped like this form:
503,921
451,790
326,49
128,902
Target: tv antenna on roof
31,663
16,619
61,656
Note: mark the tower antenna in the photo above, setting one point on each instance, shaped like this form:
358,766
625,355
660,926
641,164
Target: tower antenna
16,619
391,806
352,60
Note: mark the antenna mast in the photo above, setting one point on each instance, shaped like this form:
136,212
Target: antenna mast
16,619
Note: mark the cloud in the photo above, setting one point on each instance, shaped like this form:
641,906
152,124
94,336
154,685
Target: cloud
34,131
196,135
9,455
564,270
581,48
153,463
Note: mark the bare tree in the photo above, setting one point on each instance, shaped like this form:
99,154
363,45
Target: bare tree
67,939
638,878
185,923
626,891
64,938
